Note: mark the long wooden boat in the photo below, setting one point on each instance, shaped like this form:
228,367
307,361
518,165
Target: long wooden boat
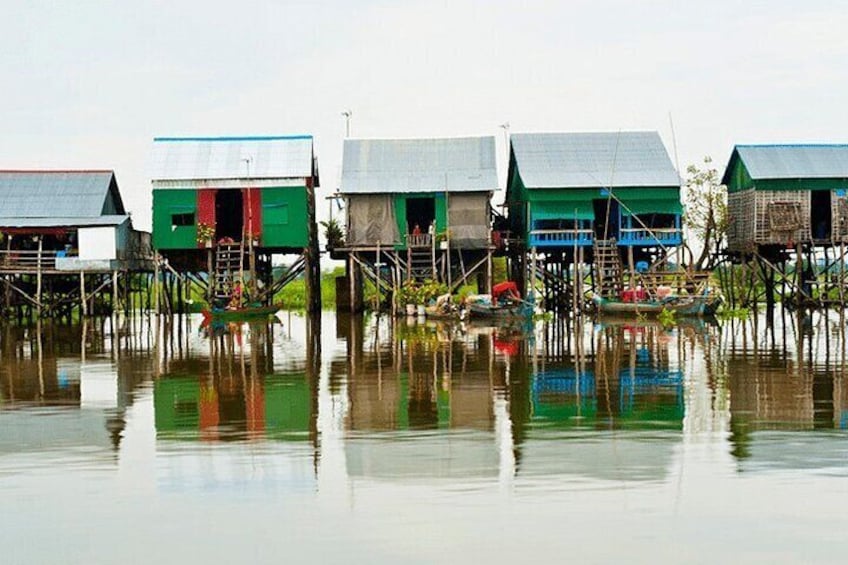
517,311
254,312
680,305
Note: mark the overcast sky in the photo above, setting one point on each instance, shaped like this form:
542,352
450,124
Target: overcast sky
89,84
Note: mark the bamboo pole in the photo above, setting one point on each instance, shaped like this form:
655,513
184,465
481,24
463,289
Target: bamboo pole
38,276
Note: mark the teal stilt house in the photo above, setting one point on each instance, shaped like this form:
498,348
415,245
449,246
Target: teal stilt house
781,196
571,189
226,205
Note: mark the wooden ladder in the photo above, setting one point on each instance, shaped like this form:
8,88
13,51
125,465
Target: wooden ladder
607,268
229,260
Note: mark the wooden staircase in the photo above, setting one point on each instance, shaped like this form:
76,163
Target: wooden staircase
608,280
420,257
229,261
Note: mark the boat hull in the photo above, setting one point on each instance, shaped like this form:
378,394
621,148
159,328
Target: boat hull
242,314
489,312
689,306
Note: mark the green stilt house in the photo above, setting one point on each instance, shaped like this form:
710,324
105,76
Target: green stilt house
785,195
227,204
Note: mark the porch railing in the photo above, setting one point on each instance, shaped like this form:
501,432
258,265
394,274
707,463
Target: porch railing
26,260
654,236
419,239
557,238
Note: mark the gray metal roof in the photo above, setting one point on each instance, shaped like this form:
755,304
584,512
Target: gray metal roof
54,194
68,222
794,161
462,164
587,160
206,158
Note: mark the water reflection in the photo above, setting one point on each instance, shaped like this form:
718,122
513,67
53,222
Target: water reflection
401,399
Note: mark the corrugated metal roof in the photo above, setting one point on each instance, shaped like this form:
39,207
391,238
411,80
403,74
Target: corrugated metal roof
202,158
572,160
17,222
794,161
53,194
462,164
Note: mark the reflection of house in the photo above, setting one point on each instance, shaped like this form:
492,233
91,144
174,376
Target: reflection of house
644,397
277,407
432,390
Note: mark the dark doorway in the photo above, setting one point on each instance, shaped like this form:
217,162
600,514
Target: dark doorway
229,214
820,218
606,218
420,212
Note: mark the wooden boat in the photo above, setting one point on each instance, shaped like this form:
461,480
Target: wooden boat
250,312
680,305
512,311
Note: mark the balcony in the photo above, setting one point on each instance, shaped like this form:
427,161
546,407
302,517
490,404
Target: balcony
641,237
561,238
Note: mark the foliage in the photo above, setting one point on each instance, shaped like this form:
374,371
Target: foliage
205,232
334,233
706,211
666,318
430,290
293,295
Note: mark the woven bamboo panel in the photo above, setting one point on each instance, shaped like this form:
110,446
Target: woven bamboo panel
782,217
740,230
839,213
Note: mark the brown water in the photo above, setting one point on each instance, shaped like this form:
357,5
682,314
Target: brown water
355,440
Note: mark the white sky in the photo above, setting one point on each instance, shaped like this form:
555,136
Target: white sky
89,84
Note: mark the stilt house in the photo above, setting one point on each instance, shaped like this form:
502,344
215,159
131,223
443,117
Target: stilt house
56,222
226,204
423,201
571,189
786,195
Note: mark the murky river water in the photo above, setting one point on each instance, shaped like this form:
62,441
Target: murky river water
355,440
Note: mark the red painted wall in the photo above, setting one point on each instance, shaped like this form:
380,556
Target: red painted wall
252,202
206,206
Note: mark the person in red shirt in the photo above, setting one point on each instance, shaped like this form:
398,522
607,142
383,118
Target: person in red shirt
505,291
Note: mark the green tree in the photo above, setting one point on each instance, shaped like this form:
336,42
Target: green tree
705,212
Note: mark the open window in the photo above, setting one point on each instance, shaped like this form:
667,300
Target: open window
229,214
182,220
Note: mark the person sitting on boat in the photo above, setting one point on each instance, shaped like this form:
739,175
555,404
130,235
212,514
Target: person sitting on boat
235,300
505,292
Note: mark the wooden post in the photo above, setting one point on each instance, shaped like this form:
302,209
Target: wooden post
38,276
630,266
312,253
531,292
156,306
83,305
351,279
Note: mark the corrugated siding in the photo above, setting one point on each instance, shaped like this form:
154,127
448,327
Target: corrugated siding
226,158
419,165
44,194
578,160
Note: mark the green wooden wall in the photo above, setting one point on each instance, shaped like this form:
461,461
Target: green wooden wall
166,203
284,217
439,207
